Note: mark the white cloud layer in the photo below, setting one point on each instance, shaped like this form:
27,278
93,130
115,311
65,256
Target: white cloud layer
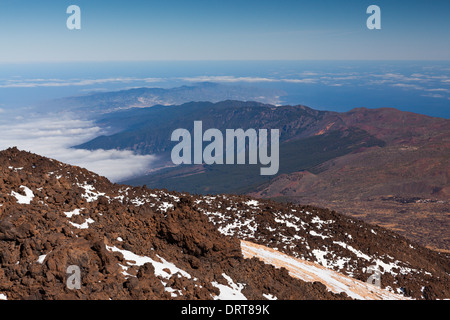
233,79
415,81
34,83
53,136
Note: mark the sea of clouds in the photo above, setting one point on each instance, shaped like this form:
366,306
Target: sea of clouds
431,84
54,135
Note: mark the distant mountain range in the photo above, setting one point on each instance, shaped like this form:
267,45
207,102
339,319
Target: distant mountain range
93,104
385,166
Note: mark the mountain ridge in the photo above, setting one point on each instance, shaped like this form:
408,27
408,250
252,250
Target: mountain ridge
93,104
389,167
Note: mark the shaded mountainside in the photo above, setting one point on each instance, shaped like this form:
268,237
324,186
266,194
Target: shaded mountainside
384,166
303,154
148,130
139,243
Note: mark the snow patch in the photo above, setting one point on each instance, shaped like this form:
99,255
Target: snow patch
252,203
165,206
26,199
85,224
315,234
75,212
358,253
41,259
230,292
90,194
269,296
136,260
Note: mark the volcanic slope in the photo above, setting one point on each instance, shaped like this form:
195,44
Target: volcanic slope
138,243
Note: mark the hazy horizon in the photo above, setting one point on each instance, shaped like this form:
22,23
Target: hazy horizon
416,86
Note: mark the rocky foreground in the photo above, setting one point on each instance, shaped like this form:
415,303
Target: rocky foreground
138,243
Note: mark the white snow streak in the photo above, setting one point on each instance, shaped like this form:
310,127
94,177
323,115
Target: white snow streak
26,199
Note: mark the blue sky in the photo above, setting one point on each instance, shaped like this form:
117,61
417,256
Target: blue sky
136,30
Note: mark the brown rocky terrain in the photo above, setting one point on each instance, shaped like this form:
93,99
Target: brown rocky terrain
138,243
332,240
403,186
53,216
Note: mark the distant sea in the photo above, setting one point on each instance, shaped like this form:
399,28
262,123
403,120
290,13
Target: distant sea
416,86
